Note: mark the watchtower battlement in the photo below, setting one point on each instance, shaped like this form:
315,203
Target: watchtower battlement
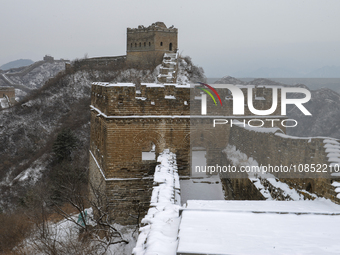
148,99
150,43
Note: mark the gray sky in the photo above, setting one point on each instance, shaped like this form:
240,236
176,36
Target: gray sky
225,37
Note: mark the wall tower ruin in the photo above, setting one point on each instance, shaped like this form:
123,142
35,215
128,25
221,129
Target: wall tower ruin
148,44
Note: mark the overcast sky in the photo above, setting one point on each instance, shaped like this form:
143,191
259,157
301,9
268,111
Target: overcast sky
225,37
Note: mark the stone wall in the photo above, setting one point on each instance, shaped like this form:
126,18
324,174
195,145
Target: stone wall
147,45
100,62
275,148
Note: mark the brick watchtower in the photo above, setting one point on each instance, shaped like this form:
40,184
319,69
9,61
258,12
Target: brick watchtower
148,44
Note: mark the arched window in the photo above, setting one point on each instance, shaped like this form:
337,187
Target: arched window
170,46
161,43
131,45
140,44
135,44
144,44
149,44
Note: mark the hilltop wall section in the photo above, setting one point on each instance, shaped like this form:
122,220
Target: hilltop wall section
100,62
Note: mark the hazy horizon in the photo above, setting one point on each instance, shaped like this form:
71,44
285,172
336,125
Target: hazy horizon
237,38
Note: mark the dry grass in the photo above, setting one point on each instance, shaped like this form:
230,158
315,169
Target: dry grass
14,229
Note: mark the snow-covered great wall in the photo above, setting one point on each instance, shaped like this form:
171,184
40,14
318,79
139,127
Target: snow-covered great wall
268,146
159,233
213,227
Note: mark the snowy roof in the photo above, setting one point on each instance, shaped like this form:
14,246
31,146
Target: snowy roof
259,227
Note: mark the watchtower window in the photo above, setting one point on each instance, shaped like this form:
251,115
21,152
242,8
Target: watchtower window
149,154
161,43
149,43
140,44
144,44
170,46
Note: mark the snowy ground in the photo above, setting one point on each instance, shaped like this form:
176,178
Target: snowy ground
63,236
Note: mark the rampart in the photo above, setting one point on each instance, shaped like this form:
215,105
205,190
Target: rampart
272,147
126,119
103,61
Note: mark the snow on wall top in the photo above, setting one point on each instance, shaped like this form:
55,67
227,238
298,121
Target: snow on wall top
247,232
149,85
301,206
127,84
159,235
107,84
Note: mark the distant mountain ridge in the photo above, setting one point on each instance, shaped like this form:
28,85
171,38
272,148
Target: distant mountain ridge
16,64
325,72
257,81
278,72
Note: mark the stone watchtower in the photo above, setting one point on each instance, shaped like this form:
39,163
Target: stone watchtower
148,44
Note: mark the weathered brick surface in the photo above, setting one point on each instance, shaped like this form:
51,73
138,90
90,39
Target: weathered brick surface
130,199
148,44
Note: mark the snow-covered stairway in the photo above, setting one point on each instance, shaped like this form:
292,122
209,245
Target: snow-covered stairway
332,147
168,69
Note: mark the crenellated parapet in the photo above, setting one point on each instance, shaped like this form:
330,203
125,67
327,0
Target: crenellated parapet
149,99
157,26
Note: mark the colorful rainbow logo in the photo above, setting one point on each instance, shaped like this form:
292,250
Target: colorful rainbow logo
209,93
